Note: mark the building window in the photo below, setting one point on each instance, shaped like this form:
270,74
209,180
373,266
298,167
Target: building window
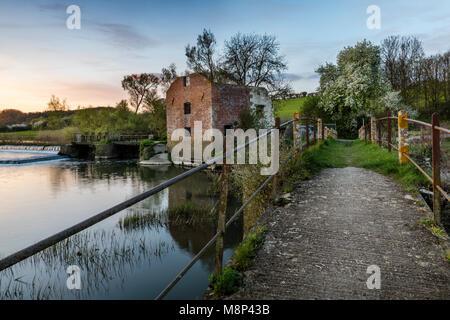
260,109
187,108
188,129
186,81
226,127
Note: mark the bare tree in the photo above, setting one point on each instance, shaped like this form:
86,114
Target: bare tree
56,104
253,60
401,60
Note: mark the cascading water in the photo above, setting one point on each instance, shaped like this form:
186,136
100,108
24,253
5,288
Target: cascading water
27,154
31,148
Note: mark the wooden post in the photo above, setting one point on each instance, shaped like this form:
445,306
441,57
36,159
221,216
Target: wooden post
389,133
373,129
307,131
403,147
437,203
222,209
315,130
275,177
365,132
296,130
322,127
379,132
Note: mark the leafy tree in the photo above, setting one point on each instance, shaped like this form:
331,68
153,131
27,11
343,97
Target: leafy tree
11,116
352,88
168,75
157,119
202,58
140,87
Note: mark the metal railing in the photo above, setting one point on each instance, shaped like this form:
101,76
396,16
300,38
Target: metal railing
435,128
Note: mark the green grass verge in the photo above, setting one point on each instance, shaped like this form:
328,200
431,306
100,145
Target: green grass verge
371,156
246,252
230,280
286,108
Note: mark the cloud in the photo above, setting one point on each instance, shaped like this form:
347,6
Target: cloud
52,7
305,76
125,36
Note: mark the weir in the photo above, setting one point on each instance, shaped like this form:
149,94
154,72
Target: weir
28,154
30,148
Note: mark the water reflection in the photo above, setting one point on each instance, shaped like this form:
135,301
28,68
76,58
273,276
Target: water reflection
39,200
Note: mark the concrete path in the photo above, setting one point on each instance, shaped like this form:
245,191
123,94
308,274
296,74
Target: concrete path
320,245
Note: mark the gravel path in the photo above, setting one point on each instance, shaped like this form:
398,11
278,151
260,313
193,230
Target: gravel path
320,245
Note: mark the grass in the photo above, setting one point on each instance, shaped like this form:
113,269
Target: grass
230,280
188,213
227,283
27,133
286,108
334,154
62,136
371,156
244,254
435,230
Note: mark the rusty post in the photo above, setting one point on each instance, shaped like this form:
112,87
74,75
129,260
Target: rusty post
379,132
275,177
403,147
315,130
307,131
373,130
389,133
322,126
218,261
437,203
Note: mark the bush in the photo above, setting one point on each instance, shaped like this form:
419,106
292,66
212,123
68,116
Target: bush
228,282
244,254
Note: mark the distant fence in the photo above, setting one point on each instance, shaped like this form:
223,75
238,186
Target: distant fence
373,132
96,137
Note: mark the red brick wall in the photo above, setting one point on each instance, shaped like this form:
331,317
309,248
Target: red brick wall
198,93
228,102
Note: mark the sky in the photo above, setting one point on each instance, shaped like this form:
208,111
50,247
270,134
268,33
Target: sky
40,56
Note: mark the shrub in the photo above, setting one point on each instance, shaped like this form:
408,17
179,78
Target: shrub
227,283
244,254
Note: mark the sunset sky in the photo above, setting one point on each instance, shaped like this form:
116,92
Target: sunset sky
39,56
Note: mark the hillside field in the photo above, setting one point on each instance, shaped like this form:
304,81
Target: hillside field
286,108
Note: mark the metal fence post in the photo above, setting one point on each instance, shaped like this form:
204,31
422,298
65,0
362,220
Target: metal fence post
403,147
389,133
437,203
307,130
222,209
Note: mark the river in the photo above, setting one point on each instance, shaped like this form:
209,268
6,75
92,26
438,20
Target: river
42,198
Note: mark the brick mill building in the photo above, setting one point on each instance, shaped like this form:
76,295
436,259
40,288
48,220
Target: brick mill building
195,98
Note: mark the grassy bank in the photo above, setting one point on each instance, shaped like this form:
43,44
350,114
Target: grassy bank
58,137
286,108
